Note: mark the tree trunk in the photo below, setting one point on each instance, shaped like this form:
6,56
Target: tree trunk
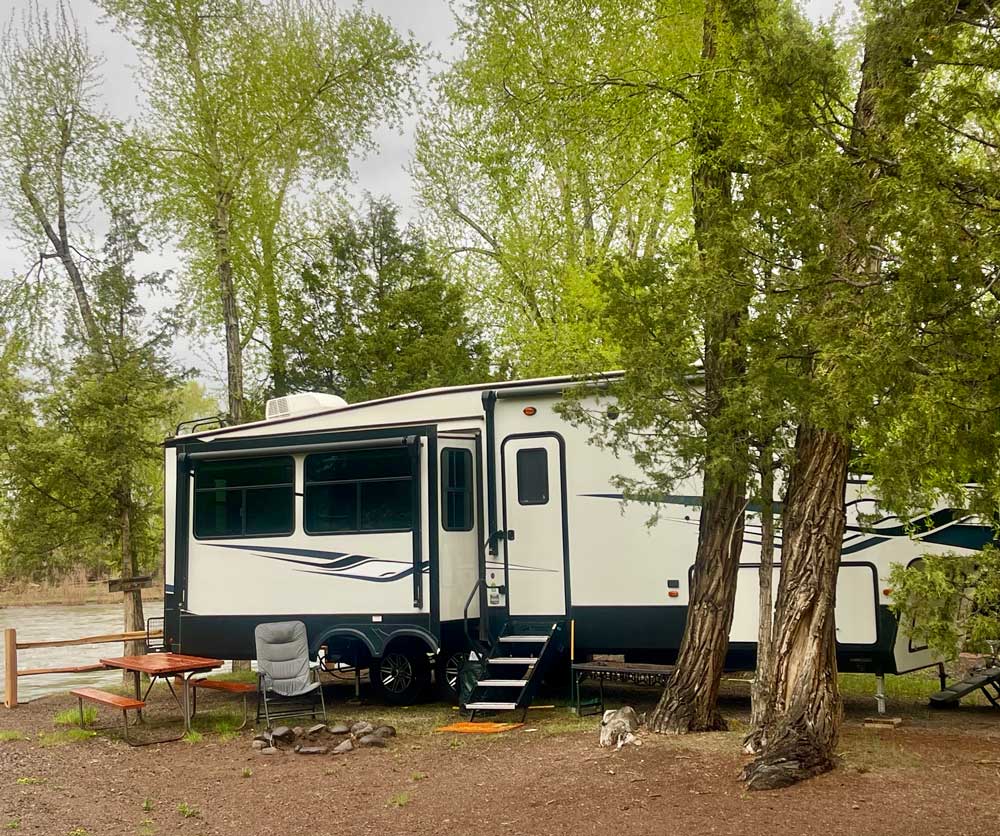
804,714
760,694
134,618
278,363
230,309
689,701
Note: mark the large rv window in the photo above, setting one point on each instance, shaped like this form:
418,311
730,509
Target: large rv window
244,497
359,490
456,489
533,476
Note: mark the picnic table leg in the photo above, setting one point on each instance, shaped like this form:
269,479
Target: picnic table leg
187,702
138,688
83,724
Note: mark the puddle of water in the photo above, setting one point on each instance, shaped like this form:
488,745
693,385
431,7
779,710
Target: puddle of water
46,623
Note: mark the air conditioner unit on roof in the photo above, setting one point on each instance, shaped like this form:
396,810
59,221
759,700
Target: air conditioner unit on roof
302,403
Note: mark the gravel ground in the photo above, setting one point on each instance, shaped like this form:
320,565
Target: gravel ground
938,773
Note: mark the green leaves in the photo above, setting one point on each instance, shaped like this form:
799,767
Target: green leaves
950,603
374,316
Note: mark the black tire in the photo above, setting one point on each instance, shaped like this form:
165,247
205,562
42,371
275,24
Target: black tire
446,673
401,675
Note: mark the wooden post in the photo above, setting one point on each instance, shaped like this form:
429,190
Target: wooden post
10,667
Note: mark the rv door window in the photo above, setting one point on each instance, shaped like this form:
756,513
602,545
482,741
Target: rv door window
359,490
456,489
533,476
244,497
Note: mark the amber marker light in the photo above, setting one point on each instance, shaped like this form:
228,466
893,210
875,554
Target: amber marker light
529,411
673,593
887,592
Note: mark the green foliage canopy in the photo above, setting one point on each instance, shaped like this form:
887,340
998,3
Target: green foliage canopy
374,317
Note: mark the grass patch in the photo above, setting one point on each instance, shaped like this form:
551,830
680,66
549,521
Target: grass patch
188,811
236,676
12,735
400,799
225,724
908,688
29,781
71,716
13,824
147,805
559,720
247,772
64,737
193,736
870,751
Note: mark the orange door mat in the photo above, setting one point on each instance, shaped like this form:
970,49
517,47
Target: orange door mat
479,728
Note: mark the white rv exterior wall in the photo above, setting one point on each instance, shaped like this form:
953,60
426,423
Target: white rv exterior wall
169,516
250,576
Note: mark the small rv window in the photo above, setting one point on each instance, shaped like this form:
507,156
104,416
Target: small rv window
456,489
244,497
359,490
533,476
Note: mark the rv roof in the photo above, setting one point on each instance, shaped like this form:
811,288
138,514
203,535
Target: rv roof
554,383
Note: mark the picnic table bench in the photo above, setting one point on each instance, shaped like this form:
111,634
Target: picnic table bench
126,704
625,672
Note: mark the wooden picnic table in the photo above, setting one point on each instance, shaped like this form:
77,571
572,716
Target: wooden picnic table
166,666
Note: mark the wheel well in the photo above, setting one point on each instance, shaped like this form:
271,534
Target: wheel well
409,644
352,650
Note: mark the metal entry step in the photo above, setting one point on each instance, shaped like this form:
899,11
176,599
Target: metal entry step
515,639
512,660
503,683
491,706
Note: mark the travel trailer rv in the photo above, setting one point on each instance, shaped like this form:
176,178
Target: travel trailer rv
408,530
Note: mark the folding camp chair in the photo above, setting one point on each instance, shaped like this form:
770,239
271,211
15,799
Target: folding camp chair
284,671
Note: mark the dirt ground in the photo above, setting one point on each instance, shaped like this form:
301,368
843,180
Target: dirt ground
938,773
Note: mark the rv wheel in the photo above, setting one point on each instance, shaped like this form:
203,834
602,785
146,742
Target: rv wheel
401,676
449,668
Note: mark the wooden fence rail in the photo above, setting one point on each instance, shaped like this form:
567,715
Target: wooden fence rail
11,646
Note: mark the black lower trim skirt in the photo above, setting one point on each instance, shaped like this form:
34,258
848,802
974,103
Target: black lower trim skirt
231,636
653,634
641,634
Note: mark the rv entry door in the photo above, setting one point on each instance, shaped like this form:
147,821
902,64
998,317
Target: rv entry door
534,524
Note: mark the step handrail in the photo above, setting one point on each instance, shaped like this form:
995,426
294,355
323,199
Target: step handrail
480,648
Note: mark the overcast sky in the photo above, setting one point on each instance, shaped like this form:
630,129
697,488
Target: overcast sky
382,173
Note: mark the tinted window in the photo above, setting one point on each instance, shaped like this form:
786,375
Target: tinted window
358,464
385,504
456,490
359,490
332,507
244,497
533,476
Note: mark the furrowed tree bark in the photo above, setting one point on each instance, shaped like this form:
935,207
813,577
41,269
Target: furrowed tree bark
760,695
804,714
689,701
134,617
230,305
